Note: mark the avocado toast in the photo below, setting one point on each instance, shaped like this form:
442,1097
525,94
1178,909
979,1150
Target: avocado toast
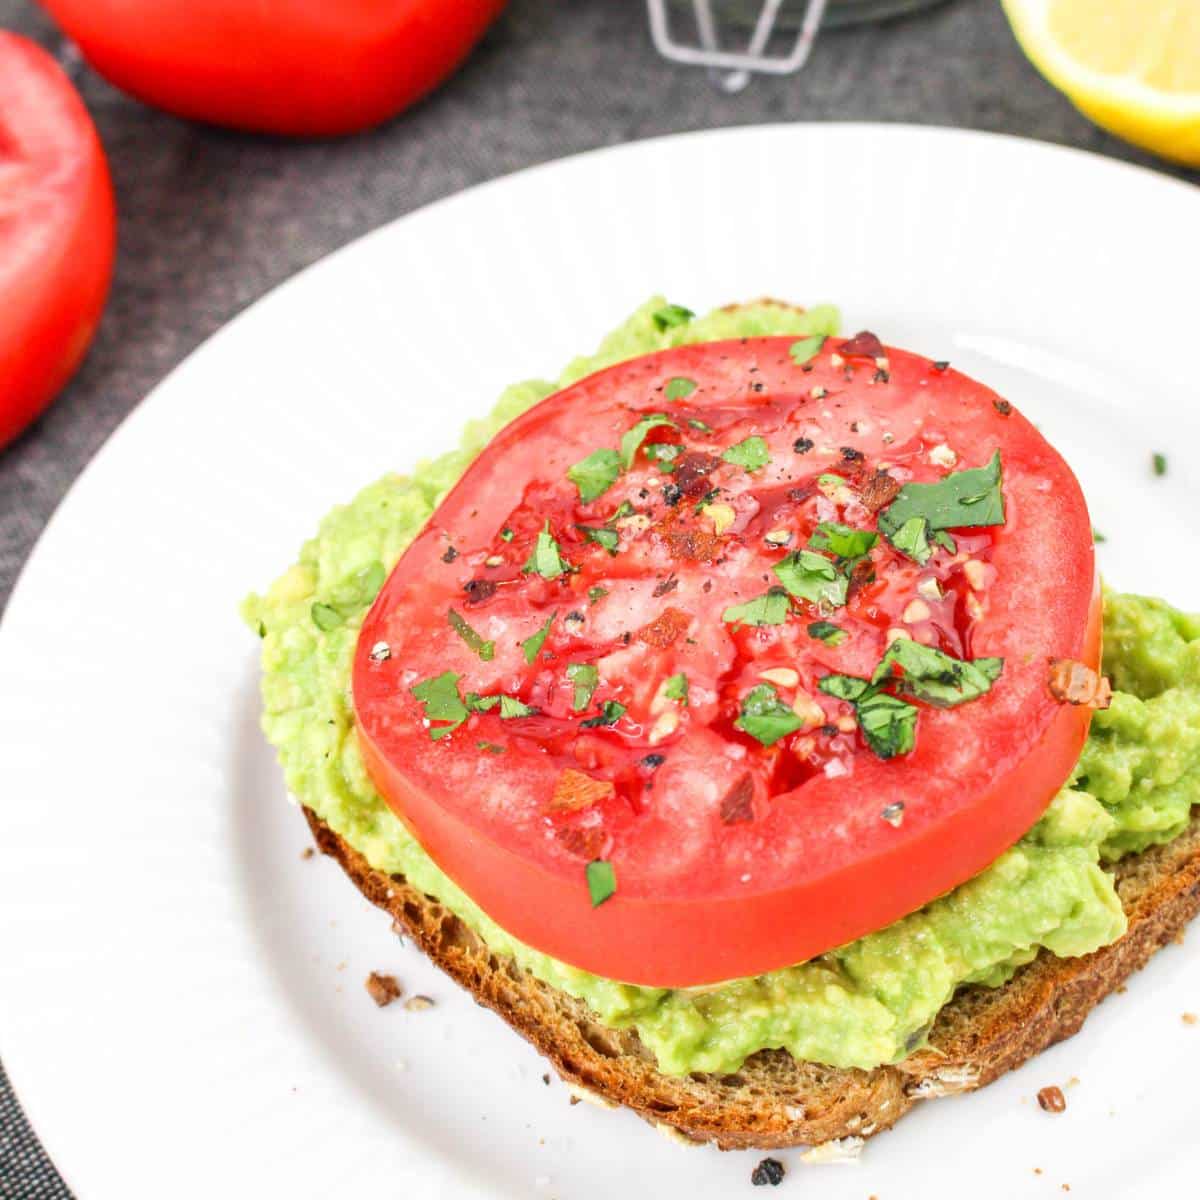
844,1043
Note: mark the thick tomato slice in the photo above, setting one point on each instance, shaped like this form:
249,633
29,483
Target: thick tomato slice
298,67
57,231
737,846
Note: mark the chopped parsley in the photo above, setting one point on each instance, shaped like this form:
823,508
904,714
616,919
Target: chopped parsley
506,534
485,650
912,539
601,881
610,713
841,540
326,617
632,439
608,538
812,577
441,701
963,499
888,723
594,475
1159,462
586,678
827,632
546,559
679,388
701,426
511,707
806,349
664,453
934,677
671,315
489,747
751,454
596,593
677,688
531,647
765,717
771,608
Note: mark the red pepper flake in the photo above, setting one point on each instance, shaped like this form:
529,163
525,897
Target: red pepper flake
878,490
738,805
862,345
691,544
1051,1100
574,791
665,628
1002,407
1073,682
585,843
692,470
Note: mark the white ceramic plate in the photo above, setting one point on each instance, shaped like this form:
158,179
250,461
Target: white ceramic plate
182,1003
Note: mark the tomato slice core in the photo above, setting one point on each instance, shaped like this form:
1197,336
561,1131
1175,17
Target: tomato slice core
618,609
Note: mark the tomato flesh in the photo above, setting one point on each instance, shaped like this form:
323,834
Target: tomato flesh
731,857
57,231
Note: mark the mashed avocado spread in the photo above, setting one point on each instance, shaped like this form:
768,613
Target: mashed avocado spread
867,1003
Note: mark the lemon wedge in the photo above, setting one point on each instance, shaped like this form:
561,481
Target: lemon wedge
1132,66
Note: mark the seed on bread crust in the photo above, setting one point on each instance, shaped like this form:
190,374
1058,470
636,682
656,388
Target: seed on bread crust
383,989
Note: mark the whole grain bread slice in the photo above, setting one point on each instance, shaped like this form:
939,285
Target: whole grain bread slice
775,1101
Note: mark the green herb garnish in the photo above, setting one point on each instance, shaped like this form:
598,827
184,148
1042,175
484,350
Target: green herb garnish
888,725
531,647
701,426
485,650
841,540
441,701
632,439
771,608
765,717
679,388
963,499
827,632
806,349
665,454
812,577
596,593
671,315
608,538
546,559
934,677
751,454
506,534
912,539
586,678
601,881
511,707
610,713
489,747
677,688
1159,462
594,475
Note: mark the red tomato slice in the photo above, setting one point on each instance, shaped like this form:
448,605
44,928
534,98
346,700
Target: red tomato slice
57,231
731,857
301,67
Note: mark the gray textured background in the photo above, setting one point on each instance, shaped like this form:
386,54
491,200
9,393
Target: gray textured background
211,220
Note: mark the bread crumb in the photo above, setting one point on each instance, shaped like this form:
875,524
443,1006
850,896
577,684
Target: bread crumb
1180,937
1037,1170
383,989
1121,990
581,1093
546,1080
1073,1081
1051,1100
1066,1187
1190,1018
768,1173
417,1003
307,852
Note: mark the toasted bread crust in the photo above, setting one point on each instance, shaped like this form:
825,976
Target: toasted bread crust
775,1101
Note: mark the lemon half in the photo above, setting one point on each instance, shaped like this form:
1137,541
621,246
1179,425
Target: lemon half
1132,66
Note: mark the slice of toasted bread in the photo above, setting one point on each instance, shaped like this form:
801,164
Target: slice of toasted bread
775,1101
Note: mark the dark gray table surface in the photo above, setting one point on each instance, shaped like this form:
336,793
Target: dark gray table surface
211,220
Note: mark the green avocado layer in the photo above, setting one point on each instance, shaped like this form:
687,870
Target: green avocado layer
859,1006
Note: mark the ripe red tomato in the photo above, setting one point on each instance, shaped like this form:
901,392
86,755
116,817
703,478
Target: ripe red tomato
300,67
57,231
673,624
